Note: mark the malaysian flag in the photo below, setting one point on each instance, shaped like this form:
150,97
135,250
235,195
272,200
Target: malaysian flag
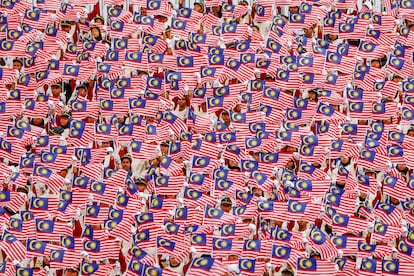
14,248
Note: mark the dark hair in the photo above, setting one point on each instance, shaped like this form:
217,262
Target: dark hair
383,60
354,42
347,163
42,124
99,38
287,272
18,60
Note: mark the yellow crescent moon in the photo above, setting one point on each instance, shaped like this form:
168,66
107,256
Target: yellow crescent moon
55,255
218,244
199,161
295,206
90,245
379,228
145,20
102,127
257,175
281,235
135,265
136,251
153,5
153,58
403,247
232,63
407,114
124,129
337,240
228,28
32,245
367,264
305,263
279,251
389,266
36,203
103,67
365,247
195,178
246,264
408,86
171,227
6,45
316,236
227,229
238,211
262,205
251,245
223,184
177,24
153,82
344,28
114,214
272,45
87,268
211,212
200,262
164,242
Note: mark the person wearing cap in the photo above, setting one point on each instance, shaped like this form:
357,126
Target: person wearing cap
164,147
226,204
135,168
61,91
56,90
99,20
126,162
81,91
287,272
22,189
66,26
39,122
199,7
18,64
63,125
141,184
69,27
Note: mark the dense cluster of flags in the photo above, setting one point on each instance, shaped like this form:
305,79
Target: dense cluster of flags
315,158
